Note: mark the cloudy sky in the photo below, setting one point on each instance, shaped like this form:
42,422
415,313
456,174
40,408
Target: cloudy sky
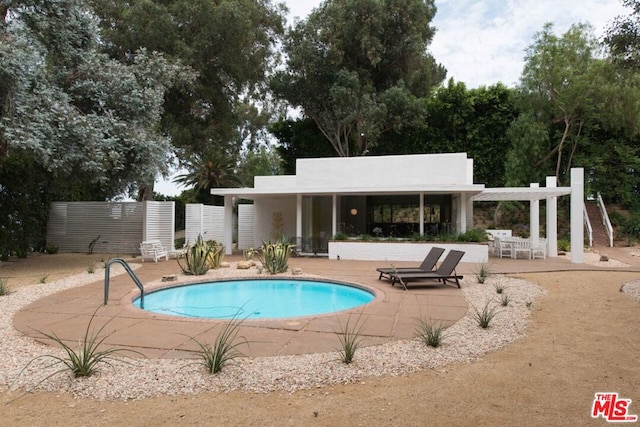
482,42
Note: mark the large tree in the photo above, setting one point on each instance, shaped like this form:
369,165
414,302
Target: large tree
230,44
623,37
359,68
74,123
561,85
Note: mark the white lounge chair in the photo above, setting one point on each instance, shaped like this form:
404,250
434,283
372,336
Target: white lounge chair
154,250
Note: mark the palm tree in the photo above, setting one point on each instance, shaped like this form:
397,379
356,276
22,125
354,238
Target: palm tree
211,169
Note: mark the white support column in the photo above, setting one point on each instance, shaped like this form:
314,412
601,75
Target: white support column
228,224
334,215
552,220
469,213
462,213
421,228
577,215
534,217
299,220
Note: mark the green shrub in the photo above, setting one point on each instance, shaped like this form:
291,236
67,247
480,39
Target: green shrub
43,278
51,249
275,256
499,288
248,254
564,245
195,260
178,243
617,218
473,235
630,227
22,252
430,332
340,235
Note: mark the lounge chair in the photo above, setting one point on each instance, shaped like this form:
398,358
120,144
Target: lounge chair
446,272
427,265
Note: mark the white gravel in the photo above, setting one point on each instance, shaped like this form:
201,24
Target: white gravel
632,289
132,379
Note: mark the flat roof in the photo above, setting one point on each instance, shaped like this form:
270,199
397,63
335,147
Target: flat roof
249,193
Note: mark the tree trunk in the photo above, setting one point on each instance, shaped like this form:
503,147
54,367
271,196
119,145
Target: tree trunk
145,193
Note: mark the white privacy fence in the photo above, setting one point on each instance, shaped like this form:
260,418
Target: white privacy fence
245,227
205,220
109,227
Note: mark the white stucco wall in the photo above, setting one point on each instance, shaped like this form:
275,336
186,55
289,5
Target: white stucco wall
369,171
403,251
266,212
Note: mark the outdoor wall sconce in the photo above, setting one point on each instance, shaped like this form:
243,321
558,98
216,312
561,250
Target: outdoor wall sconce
354,211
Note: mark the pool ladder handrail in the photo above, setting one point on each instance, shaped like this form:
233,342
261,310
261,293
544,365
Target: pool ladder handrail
131,274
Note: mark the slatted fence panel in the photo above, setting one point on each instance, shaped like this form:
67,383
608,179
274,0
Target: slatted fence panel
113,227
159,223
245,226
205,220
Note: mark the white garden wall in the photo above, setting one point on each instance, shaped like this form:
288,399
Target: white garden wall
402,251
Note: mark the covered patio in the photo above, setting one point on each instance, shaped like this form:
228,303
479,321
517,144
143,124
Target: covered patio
386,196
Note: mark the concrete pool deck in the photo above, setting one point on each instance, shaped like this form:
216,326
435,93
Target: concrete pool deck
391,316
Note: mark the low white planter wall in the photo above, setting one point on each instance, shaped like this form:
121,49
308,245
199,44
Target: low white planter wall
402,251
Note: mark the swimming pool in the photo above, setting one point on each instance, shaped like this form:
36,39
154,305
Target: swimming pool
255,299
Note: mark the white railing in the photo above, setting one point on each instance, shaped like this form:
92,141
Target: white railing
587,224
605,220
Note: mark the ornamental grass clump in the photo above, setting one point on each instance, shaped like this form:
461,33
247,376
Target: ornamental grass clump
275,256
4,286
482,273
350,336
224,349
195,260
505,300
83,361
429,332
485,316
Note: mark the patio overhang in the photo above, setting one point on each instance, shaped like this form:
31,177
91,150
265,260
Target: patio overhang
520,194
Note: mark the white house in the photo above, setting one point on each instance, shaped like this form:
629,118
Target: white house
396,196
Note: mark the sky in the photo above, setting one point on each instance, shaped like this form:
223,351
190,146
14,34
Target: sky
483,42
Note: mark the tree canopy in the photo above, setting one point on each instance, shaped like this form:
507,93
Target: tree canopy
358,68
74,123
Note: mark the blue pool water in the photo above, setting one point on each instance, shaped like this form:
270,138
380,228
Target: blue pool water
255,299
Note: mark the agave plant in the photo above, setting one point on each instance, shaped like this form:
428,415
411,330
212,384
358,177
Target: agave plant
275,256
216,254
196,258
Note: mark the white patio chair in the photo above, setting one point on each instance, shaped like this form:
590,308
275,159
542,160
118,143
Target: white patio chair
520,246
503,247
539,249
154,250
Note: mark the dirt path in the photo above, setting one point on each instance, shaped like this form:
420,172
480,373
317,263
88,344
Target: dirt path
583,339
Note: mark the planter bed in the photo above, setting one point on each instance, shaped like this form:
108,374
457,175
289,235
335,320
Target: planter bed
402,250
